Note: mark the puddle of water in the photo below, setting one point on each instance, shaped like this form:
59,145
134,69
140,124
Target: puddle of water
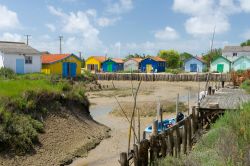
98,111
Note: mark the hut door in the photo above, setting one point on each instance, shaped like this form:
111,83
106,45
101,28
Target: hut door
220,68
148,68
109,67
65,69
20,66
73,69
193,67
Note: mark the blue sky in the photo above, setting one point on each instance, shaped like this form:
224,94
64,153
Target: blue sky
120,27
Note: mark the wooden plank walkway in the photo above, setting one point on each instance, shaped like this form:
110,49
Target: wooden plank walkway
227,98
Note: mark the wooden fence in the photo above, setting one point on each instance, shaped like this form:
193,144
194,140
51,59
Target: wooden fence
173,141
163,76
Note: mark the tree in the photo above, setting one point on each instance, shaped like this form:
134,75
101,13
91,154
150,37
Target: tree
211,55
246,43
172,58
183,57
135,56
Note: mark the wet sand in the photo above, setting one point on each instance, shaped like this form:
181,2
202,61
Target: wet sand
107,153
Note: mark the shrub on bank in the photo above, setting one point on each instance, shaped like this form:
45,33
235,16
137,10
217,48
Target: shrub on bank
227,143
25,102
6,73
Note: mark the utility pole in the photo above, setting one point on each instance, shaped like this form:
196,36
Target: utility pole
60,39
27,39
80,54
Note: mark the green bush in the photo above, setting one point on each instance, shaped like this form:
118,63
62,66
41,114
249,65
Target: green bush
19,132
174,71
6,73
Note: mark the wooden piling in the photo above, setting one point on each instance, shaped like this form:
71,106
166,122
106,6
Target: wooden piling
124,159
171,142
189,140
136,156
184,136
209,90
155,127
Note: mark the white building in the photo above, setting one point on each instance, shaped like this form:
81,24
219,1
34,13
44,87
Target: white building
19,57
234,52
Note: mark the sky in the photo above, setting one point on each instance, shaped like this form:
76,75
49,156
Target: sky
120,27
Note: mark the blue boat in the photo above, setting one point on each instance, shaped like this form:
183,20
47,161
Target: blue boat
167,123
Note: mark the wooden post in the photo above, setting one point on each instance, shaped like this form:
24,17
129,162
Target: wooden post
139,126
189,141
194,120
144,135
177,105
213,91
209,90
171,142
136,155
143,152
177,141
184,138
163,145
124,159
222,84
155,127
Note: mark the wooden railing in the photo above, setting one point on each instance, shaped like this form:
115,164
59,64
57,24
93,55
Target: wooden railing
163,76
174,141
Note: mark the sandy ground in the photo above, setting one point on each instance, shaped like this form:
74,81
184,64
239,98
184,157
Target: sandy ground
107,153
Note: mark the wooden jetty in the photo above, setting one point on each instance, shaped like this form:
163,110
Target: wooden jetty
164,76
180,138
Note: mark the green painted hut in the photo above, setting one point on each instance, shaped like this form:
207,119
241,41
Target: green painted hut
220,65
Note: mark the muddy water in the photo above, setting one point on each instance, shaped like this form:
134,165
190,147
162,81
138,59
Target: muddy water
106,154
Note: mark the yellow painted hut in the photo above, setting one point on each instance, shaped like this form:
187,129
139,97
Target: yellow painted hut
94,63
66,65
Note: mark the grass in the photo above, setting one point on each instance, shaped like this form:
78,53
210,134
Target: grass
15,88
26,100
227,143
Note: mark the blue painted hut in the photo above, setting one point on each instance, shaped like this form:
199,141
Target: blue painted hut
153,64
194,64
113,65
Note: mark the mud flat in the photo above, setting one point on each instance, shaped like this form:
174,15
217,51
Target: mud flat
103,102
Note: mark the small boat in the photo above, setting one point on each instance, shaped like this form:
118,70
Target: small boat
167,123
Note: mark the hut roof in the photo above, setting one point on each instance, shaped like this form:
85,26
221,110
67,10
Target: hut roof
17,48
99,58
158,59
52,58
118,60
236,49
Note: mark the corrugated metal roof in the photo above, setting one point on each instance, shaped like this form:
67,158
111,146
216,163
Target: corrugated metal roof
156,58
236,49
99,58
118,60
17,48
51,58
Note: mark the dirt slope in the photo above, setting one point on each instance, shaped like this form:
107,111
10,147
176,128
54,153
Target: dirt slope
68,134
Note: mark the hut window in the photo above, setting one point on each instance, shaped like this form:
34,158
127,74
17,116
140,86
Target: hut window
28,59
234,54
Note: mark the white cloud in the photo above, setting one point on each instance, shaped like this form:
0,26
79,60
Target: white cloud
245,5
11,37
167,34
51,27
8,18
121,6
83,34
205,14
203,25
105,21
